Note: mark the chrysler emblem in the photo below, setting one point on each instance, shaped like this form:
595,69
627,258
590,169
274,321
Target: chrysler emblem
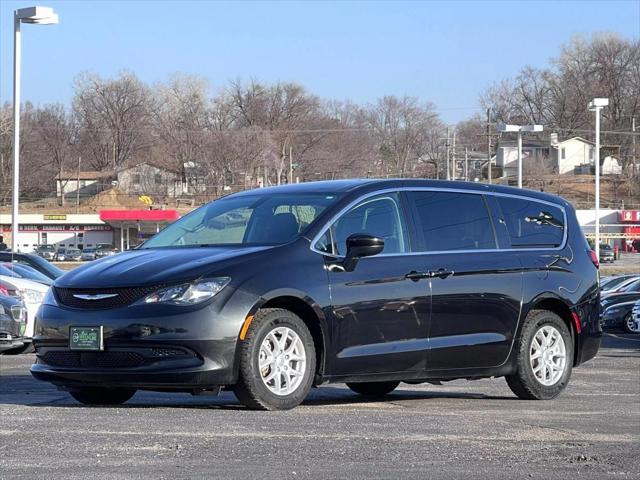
95,296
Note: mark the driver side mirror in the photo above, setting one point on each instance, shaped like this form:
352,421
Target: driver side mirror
361,245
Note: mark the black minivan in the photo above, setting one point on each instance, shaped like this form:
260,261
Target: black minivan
369,282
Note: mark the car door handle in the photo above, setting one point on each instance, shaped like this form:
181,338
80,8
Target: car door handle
417,275
441,273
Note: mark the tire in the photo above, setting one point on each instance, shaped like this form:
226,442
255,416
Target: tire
256,387
526,383
373,389
627,322
26,348
102,396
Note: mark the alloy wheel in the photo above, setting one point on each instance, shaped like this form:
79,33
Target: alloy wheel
548,355
282,361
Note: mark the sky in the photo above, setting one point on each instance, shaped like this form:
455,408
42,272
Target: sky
447,53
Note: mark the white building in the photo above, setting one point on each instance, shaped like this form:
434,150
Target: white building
85,184
61,230
146,179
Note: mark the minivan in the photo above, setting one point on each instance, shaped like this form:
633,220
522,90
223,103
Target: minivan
272,291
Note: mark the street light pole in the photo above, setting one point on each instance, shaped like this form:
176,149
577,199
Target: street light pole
15,194
596,105
40,16
519,129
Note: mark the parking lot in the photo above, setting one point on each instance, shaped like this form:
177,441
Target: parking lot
461,429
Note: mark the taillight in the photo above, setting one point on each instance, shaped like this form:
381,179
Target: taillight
4,291
594,258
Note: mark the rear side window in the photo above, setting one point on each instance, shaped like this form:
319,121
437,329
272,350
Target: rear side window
452,221
532,224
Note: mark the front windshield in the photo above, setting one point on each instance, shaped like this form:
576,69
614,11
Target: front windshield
245,220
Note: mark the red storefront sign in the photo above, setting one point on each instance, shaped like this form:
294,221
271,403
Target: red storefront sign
626,216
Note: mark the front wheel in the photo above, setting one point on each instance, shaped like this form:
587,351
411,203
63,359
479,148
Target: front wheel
544,357
102,396
277,361
373,389
630,325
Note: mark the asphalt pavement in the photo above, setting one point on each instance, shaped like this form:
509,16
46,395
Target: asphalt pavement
458,430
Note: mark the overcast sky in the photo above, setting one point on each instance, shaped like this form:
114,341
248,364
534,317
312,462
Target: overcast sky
444,52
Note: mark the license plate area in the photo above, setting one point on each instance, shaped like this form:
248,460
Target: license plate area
86,338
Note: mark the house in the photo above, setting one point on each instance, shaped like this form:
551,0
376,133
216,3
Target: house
573,155
576,156
534,153
84,184
148,179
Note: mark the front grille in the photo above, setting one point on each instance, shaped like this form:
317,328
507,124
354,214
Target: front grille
116,359
122,296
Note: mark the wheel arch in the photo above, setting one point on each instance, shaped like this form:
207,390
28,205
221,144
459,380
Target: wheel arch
561,308
310,313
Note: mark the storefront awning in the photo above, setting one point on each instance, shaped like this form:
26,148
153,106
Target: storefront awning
139,215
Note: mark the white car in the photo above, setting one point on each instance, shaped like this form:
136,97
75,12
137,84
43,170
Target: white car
31,293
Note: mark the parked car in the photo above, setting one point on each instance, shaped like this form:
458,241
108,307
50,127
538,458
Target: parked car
606,253
88,254
610,283
630,293
48,252
617,315
104,250
24,271
31,294
68,255
33,261
13,322
366,282
620,287
634,325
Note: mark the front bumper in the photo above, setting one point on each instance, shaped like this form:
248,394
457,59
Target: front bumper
133,336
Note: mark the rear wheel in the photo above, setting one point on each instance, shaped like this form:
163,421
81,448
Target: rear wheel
102,396
629,324
373,389
277,361
545,357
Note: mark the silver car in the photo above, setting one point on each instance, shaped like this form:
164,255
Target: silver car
88,254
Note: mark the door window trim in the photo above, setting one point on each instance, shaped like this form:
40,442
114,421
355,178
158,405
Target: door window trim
398,190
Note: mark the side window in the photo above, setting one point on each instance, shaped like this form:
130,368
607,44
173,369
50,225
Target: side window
532,224
379,216
452,221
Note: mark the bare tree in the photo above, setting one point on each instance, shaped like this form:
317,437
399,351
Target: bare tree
56,131
114,118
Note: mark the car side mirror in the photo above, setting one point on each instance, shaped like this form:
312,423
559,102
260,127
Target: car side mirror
361,245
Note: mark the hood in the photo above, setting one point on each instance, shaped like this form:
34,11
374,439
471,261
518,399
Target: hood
151,267
23,283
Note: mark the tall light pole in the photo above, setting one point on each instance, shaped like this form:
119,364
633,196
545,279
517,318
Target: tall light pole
38,16
596,105
520,129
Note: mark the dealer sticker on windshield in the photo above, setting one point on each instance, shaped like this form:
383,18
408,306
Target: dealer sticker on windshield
85,338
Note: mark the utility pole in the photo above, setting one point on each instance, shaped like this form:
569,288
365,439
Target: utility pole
453,159
77,188
466,164
489,144
448,164
633,137
290,164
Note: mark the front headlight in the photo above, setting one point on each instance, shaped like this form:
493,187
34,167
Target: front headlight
188,293
31,296
19,313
